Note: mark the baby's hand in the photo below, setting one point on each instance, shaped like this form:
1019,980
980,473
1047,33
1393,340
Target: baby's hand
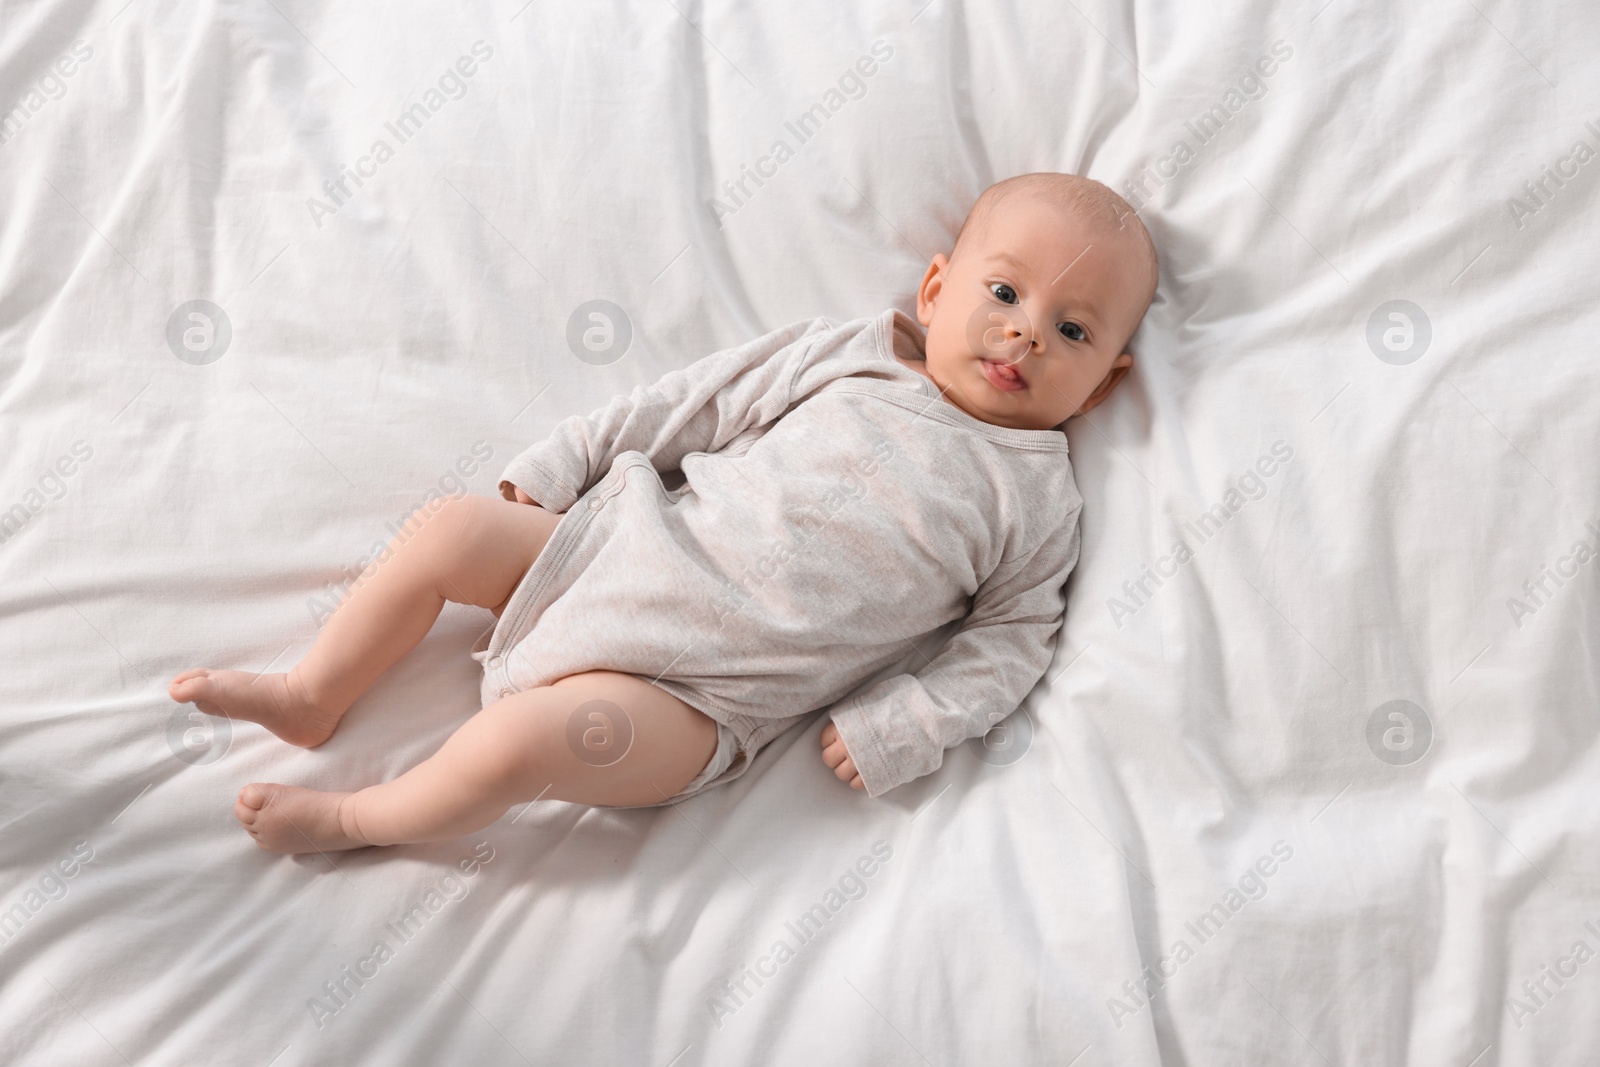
517,494
837,757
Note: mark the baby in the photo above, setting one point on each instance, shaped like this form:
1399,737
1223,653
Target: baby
687,572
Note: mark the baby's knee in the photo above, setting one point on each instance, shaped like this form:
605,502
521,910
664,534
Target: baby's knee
514,743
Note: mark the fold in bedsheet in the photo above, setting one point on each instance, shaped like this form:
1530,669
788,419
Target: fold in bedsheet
1312,778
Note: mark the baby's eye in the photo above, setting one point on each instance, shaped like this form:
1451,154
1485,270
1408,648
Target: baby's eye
1071,331
1003,293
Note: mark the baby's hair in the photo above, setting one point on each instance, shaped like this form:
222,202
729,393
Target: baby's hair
1082,196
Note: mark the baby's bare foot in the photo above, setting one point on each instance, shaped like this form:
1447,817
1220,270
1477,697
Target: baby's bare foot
289,819
276,701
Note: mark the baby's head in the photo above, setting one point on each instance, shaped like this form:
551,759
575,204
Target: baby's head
1030,314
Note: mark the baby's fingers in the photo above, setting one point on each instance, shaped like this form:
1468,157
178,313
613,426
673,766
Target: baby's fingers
833,750
837,756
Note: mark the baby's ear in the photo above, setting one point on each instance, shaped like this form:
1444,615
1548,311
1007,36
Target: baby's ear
1119,370
932,285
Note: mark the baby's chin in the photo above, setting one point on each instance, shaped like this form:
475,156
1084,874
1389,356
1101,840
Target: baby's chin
1013,410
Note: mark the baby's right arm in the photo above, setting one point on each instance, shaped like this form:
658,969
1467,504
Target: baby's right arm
698,408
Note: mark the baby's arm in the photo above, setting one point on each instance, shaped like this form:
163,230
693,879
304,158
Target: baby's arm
899,728
699,408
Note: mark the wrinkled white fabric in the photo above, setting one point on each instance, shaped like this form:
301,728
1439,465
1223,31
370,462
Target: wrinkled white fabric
176,515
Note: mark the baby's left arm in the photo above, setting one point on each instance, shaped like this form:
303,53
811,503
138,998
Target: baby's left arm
899,728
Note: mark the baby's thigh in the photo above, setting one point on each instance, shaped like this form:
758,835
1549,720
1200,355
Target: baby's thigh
495,541
602,738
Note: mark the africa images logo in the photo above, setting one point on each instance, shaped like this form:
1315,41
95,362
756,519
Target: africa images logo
851,85
451,85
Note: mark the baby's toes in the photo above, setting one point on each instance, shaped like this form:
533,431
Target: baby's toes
191,686
178,680
251,800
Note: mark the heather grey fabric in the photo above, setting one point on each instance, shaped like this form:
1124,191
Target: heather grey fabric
834,509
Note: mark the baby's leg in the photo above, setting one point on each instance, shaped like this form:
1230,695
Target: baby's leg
599,737
470,550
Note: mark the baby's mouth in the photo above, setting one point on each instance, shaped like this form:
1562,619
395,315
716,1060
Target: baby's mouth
1004,376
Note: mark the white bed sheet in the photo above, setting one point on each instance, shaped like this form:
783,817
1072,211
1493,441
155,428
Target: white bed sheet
1415,911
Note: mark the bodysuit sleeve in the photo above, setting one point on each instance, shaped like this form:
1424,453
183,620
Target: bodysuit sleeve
898,729
697,409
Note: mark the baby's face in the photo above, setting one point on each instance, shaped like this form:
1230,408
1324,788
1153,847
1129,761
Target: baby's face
1027,325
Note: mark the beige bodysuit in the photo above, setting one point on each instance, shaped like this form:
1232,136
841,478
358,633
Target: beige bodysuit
764,530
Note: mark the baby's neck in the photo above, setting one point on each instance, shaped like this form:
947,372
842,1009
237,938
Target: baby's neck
909,351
